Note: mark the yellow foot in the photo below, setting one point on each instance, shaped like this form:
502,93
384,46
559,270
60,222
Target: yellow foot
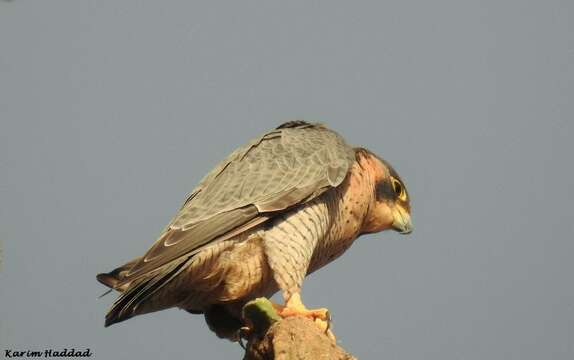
294,307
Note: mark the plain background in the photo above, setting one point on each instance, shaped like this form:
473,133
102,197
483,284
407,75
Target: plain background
112,111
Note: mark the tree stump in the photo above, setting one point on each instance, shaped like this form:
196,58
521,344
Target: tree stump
294,338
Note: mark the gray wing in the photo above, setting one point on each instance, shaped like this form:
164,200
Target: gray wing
285,167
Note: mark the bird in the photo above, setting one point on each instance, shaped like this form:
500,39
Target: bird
275,210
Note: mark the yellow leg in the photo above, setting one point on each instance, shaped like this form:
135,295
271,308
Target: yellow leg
295,307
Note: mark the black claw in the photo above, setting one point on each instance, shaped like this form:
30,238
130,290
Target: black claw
240,341
243,333
329,319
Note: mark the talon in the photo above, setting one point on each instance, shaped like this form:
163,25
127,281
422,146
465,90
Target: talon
243,333
319,314
294,307
328,322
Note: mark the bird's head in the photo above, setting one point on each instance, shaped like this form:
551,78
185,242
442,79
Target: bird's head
390,206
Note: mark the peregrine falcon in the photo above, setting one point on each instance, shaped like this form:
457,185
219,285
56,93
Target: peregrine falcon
275,210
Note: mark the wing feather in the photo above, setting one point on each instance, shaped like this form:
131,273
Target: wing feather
285,167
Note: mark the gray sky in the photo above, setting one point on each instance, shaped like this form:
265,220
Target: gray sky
110,112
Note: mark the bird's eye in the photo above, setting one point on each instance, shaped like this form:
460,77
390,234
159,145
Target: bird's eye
399,189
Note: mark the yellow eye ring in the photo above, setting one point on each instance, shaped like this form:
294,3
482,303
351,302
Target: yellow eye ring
399,189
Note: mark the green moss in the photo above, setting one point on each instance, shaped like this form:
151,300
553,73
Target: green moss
260,315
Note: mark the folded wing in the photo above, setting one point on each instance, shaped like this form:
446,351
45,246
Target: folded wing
283,168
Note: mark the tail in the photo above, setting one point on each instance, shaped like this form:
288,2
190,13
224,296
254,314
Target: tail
114,278
135,296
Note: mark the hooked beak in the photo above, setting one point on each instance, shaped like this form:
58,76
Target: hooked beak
402,220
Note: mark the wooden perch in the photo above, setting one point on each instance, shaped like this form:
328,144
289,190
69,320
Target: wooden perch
294,338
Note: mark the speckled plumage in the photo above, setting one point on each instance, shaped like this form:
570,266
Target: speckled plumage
276,209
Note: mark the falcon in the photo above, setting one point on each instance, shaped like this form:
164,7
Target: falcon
275,210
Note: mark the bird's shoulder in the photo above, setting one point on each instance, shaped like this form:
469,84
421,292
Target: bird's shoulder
295,158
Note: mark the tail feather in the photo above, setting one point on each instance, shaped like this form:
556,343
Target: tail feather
136,295
116,276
